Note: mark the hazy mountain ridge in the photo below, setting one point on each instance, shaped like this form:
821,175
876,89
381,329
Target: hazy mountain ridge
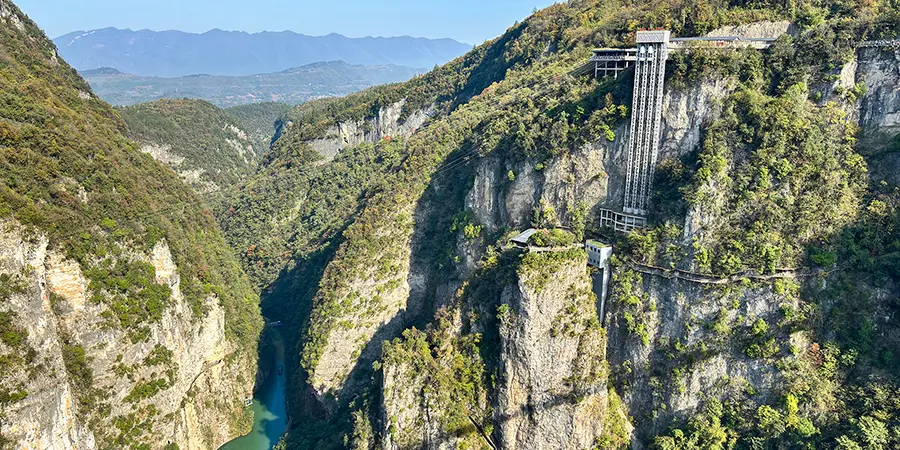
294,85
217,52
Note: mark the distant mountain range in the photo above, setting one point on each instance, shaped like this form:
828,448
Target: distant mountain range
324,79
217,52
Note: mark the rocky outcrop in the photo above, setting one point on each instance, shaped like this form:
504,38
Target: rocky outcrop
545,401
382,295
408,414
373,303
671,345
412,410
47,418
879,111
763,29
672,342
88,374
388,123
163,154
505,193
552,392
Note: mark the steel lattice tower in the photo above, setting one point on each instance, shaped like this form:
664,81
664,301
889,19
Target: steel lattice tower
646,118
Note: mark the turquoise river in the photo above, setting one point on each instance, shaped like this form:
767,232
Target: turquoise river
269,417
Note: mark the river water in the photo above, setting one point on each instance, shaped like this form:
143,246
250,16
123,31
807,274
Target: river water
269,416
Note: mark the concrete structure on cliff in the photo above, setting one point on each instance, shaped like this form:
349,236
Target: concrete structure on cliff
598,256
648,60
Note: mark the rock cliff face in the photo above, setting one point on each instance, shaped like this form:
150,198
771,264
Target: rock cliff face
552,393
551,387
672,341
389,291
125,322
715,312
879,70
385,296
199,381
544,399
879,110
593,174
386,124
683,350
688,353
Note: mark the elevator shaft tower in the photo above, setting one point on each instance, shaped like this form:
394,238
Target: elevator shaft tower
646,118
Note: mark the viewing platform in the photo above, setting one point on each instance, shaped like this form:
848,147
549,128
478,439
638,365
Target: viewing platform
611,61
534,240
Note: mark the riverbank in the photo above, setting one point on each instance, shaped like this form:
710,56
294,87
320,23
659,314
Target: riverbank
269,411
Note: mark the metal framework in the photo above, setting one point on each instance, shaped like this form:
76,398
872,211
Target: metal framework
649,62
625,223
646,119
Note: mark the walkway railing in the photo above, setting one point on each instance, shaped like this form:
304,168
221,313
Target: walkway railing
881,43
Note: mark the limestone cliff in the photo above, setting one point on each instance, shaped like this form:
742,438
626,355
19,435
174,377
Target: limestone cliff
125,321
552,393
670,350
678,340
551,382
388,123
731,319
879,109
592,174
90,384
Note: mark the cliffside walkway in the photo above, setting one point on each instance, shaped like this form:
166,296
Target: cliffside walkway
894,43
564,248
699,278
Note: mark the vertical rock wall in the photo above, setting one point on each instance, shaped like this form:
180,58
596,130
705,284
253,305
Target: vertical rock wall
199,408
552,394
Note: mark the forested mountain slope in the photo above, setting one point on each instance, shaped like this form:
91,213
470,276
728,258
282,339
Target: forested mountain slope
260,119
388,212
208,147
125,321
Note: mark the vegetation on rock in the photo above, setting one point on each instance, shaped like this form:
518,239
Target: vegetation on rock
206,145
72,177
778,175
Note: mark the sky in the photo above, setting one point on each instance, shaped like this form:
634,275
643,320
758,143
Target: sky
469,21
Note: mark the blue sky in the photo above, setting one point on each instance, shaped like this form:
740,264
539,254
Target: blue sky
470,21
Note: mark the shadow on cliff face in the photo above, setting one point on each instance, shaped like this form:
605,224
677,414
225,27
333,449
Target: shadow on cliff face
432,276
313,424
289,300
859,299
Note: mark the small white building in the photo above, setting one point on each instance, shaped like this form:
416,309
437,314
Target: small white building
598,253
